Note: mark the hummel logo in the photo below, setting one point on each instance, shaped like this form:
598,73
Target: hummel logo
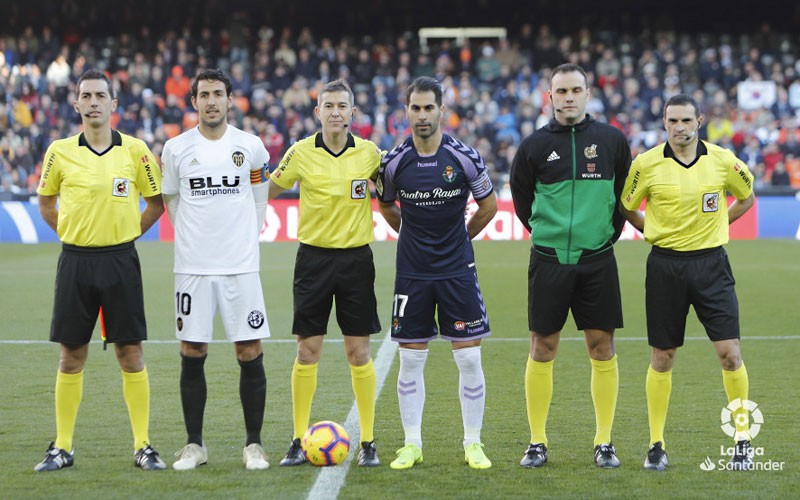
194,162
553,156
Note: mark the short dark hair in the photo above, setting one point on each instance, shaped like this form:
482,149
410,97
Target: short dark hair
336,86
212,75
569,68
93,74
425,84
682,100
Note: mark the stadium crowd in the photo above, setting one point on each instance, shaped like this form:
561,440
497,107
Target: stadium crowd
495,89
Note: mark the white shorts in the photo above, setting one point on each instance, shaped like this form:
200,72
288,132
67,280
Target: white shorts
238,298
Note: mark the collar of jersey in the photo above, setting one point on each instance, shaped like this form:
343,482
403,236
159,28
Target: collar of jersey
701,150
318,142
554,126
116,140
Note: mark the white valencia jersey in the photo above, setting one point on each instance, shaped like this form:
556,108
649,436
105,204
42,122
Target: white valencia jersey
216,231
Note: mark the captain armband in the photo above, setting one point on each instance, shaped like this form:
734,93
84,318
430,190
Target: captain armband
259,176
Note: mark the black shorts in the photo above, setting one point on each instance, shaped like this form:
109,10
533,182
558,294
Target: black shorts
675,280
89,278
457,302
590,288
348,275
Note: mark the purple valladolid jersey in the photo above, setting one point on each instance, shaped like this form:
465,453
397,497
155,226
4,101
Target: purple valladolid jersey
433,193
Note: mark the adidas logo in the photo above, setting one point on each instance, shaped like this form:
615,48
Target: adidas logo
553,156
195,162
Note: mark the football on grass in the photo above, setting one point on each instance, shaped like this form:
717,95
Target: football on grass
326,443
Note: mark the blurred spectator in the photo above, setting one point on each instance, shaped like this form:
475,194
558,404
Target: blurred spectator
273,140
178,85
751,153
172,112
487,66
21,116
58,73
780,177
719,128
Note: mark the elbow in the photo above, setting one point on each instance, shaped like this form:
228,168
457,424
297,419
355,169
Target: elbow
158,207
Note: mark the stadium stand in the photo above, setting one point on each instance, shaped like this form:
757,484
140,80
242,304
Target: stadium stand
495,88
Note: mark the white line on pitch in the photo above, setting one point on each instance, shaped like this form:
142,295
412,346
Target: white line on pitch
331,479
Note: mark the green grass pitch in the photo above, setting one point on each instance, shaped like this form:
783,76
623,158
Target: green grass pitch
767,273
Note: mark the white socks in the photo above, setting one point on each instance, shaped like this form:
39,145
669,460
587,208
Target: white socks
471,392
411,393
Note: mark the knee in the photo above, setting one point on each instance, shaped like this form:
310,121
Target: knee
730,360
248,351
358,355
601,350
544,347
131,358
71,361
307,354
662,359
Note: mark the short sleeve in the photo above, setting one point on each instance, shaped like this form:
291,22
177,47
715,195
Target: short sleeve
148,172
739,181
50,181
170,183
259,170
634,190
288,170
478,177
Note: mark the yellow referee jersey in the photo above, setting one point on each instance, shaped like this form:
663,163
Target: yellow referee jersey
335,206
687,207
99,192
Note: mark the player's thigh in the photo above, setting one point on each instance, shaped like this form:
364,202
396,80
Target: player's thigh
714,296
666,300
550,287
195,305
118,279
75,307
413,309
241,307
356,306
596,302
460,308
314,281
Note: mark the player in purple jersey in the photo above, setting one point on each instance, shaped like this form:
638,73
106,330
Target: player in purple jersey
432,176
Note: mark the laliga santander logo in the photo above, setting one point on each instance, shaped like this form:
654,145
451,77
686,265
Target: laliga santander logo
741,419
746,415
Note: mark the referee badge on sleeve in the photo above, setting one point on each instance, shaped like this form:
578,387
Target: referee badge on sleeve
358,189
121,188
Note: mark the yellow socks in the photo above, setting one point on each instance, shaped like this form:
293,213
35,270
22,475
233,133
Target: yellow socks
605,386
658,387
538,393
737,385
69,391
304,384
364,384
136,389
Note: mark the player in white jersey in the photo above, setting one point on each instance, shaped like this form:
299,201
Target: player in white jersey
216,192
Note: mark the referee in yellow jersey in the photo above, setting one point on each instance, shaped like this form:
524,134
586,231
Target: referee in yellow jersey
334,259
685,182
96,177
